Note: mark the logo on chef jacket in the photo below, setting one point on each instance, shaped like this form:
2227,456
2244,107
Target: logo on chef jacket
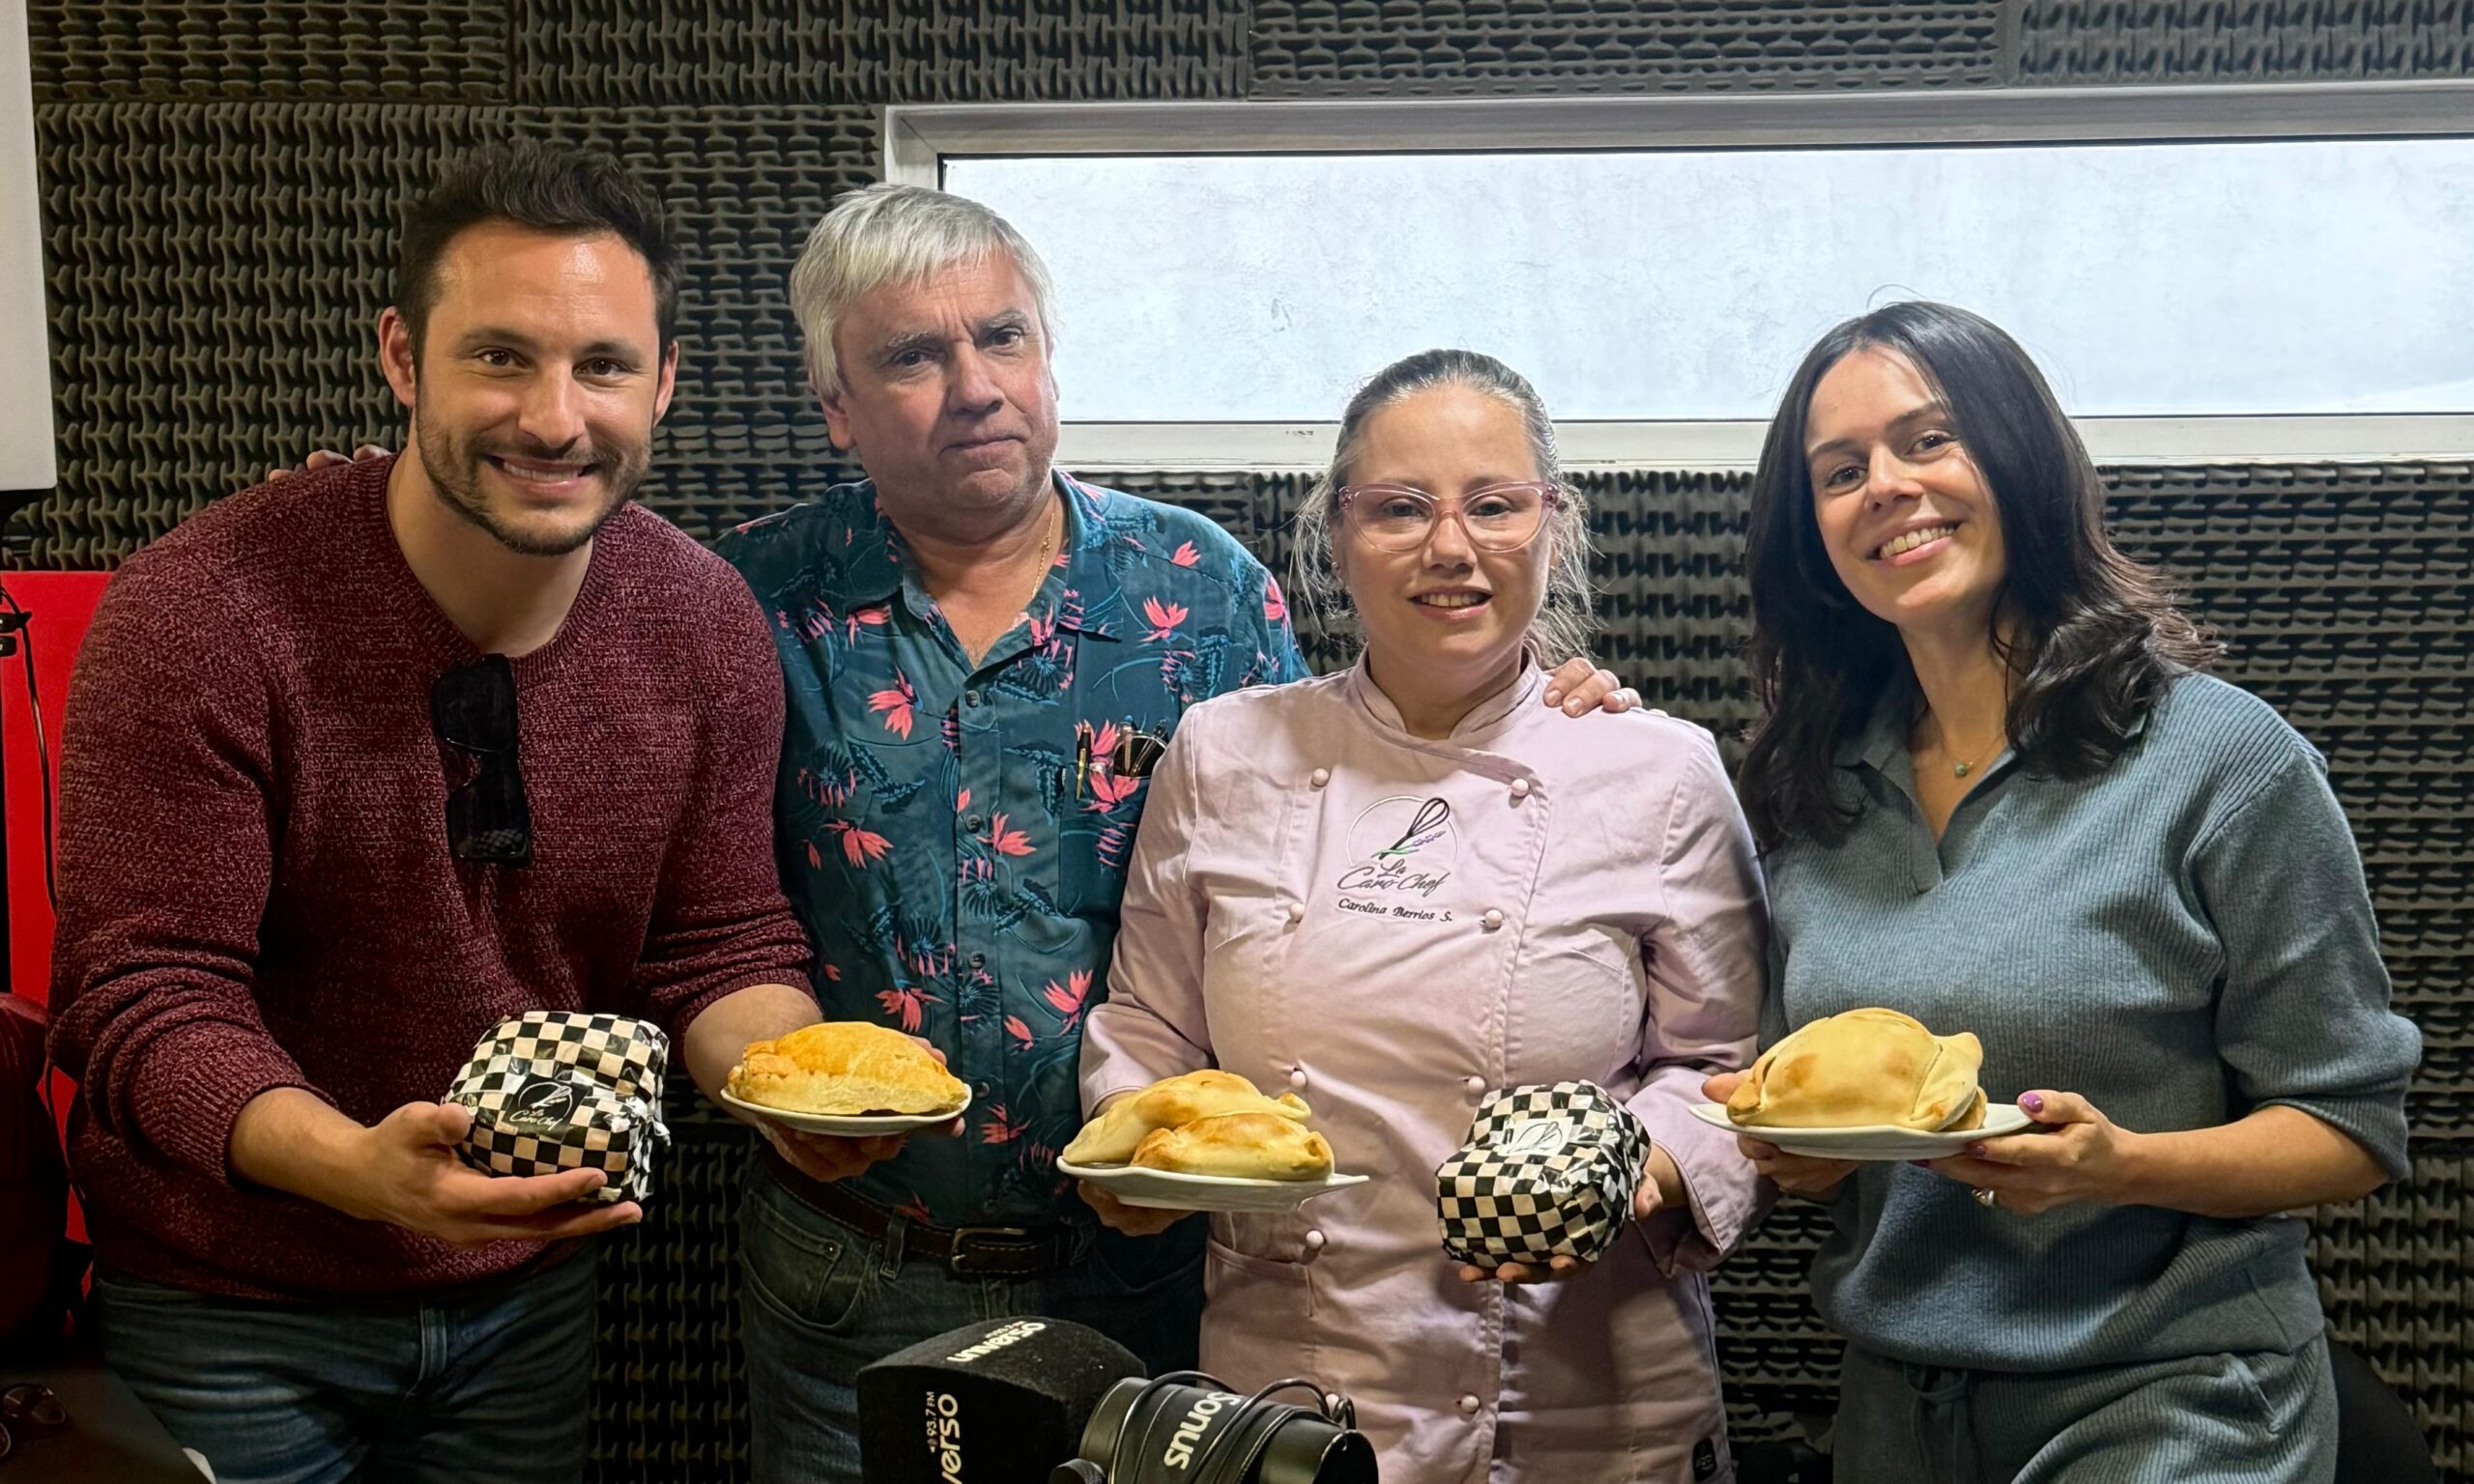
1401,850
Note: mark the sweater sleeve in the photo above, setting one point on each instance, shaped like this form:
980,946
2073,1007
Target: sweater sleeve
1705,963
720,923
168,817
2303,1015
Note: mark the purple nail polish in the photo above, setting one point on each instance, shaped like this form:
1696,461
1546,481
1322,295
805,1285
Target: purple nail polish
2033,1103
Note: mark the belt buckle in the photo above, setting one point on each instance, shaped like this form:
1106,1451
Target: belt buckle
963,1263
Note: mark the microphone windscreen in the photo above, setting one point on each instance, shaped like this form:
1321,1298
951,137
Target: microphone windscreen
1002,1401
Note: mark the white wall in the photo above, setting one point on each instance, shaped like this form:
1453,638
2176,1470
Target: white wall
27,454
2264,277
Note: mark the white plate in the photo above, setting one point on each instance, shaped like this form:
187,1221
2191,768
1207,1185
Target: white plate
849,1125
1873,1141
1168,1191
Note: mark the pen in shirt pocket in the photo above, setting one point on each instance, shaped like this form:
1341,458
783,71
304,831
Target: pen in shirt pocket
1134,753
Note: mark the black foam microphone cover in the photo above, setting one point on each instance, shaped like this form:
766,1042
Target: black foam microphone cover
1002,1402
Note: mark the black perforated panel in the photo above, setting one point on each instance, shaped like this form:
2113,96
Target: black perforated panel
2243,41
670,1401
441,51
1314,47
785,51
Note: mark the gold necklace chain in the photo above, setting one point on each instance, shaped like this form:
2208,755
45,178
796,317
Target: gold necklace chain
1963,769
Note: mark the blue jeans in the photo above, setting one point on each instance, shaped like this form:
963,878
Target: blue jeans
471,1389
819,1301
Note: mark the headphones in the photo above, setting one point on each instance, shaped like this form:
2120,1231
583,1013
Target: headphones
1233,1451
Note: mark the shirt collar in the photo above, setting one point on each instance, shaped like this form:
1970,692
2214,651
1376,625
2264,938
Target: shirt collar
1884,734
859,563
1074,596
1485,717
873,566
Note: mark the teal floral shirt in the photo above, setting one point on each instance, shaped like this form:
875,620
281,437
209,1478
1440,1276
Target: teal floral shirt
955,835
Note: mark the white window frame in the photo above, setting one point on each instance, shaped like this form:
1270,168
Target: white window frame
919,137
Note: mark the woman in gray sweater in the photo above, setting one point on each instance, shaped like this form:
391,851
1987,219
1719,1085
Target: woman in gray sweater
1994,790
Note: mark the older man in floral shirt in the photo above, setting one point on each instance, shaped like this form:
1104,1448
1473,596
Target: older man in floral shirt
954,830
983,656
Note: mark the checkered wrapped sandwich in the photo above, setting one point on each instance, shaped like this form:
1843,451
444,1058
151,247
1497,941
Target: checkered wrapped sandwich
1547,1170
566,1090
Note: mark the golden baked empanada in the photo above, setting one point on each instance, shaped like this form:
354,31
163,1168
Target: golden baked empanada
1248,1145
1865,1066
1113,1137
845,1068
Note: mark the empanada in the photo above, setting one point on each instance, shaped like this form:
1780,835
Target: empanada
1247,1145
845,1068
1113,1137
1864,1068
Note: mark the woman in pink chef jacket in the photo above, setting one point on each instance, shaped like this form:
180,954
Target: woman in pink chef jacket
1393,889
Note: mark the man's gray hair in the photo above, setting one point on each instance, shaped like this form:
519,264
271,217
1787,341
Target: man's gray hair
892,234
1565,614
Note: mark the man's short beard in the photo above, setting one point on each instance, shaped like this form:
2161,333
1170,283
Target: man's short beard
454,469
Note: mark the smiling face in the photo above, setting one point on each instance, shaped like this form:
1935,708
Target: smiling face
1910,525
1445,618
537,384
946,395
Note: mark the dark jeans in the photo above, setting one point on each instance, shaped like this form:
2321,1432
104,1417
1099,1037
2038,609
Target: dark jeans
475,1389
819,1302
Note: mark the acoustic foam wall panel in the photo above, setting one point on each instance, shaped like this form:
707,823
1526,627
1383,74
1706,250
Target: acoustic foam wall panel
785,51
216,273
1368,47
220,183
438,51
2242,41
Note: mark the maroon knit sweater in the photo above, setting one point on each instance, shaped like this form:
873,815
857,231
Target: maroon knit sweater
255,885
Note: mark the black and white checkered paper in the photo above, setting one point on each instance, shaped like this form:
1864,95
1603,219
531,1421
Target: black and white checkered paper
563,1090
1547,1169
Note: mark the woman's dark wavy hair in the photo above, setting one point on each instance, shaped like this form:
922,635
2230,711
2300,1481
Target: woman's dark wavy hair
2091,633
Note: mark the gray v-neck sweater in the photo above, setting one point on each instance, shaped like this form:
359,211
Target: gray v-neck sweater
2183,938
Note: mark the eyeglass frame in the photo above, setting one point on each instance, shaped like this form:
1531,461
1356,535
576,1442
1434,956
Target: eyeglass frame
1550,495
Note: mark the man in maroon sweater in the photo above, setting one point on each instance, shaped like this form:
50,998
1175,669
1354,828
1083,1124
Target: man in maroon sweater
291,903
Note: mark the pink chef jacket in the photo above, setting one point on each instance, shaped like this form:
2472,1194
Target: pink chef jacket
1390,927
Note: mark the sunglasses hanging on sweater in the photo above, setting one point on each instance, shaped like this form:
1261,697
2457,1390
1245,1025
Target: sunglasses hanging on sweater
472,708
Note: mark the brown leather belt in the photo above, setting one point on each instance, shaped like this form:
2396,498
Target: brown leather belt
968,1252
